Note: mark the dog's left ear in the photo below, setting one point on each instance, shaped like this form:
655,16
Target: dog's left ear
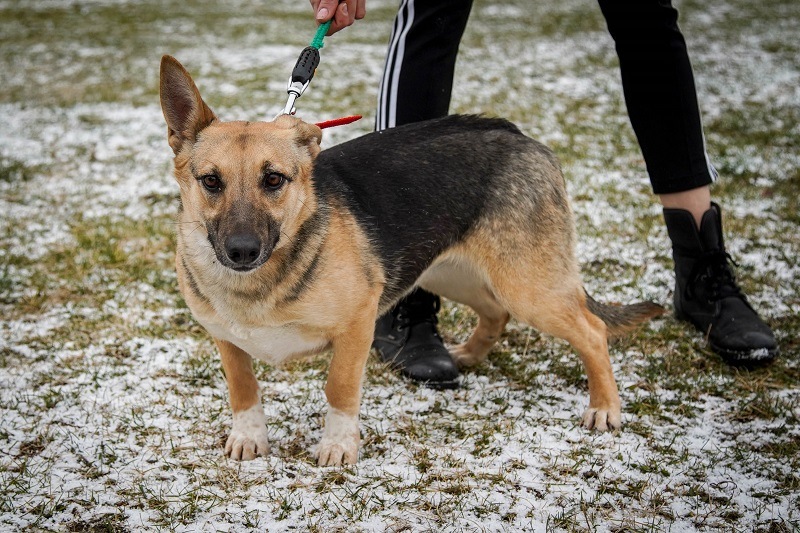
184,109
307,135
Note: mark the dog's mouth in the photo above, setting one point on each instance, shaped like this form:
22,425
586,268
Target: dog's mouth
247,268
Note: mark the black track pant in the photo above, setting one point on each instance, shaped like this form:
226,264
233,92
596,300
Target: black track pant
657,80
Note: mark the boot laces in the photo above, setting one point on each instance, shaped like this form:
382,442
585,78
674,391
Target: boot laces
712,271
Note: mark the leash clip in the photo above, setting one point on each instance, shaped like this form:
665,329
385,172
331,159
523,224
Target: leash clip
301,76
295,90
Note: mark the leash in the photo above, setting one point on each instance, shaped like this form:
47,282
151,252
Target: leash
303,73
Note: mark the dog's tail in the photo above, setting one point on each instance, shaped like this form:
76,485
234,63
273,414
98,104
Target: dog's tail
621,319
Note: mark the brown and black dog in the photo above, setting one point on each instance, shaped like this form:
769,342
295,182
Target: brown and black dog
286,251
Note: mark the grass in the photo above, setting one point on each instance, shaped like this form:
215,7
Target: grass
113,406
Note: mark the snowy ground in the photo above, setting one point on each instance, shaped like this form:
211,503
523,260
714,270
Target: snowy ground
113,406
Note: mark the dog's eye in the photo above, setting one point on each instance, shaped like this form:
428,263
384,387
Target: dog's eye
274,181
211,182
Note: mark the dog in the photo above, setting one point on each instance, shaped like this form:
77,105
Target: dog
284,250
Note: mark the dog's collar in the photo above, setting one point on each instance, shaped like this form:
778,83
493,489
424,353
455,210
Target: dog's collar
337,121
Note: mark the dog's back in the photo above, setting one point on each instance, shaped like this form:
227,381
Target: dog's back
418,189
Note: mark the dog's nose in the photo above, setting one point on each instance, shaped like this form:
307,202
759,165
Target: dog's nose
243,249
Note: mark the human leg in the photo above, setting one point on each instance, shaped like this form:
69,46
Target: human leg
416,85
660,95
696,201
420,63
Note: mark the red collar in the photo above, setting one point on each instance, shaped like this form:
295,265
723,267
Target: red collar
337,121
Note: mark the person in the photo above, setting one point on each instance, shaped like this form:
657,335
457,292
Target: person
659,90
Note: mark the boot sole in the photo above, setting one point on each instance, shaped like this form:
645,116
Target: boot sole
754,358
436,385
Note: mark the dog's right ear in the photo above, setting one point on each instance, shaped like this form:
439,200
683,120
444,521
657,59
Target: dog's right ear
185,111
308,135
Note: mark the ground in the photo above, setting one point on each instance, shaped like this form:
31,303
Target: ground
113,406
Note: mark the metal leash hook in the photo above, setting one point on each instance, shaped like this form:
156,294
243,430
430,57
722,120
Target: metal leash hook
301,76
304,69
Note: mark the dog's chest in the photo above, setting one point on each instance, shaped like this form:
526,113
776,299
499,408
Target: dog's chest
272,344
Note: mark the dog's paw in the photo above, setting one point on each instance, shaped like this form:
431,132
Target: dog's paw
602,419
248,438
340,440
332,453
464,356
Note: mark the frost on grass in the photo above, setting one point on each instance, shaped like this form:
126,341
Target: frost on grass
112,401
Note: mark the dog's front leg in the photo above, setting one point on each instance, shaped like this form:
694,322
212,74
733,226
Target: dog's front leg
248,437
340,438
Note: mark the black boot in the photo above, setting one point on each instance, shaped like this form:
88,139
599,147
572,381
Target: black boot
706,293
406,337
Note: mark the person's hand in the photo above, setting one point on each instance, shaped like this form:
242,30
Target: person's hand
343,12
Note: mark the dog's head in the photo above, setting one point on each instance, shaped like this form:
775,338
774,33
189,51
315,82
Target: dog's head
246,185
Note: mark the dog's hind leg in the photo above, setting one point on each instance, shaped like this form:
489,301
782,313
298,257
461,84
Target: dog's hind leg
492,319
457,281
248,436
558,307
